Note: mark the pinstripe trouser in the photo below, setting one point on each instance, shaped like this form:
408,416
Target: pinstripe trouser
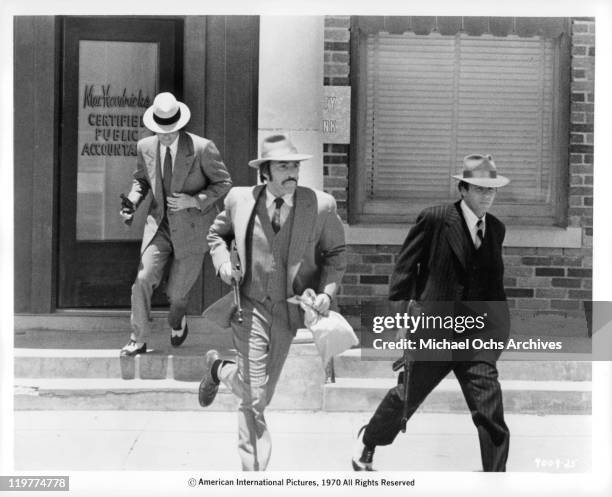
482,392
262,343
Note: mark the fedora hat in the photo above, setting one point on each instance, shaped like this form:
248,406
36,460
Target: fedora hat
480,170
166,114
277,147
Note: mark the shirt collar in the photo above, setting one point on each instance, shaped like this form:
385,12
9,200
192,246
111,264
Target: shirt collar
470,218
173,147
287,198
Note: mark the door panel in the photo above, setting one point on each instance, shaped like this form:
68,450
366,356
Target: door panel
112,70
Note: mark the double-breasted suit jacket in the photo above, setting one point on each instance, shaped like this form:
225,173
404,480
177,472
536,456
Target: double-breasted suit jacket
198,171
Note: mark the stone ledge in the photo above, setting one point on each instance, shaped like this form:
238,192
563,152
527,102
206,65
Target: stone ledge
516,236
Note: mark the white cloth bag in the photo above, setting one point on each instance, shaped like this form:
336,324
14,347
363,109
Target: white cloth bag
332,333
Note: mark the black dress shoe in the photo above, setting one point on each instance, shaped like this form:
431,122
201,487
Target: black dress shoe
131,349
208,386
177,341
363,456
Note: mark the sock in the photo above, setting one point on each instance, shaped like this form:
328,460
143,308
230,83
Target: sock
214,370
216,367
367,444
181,325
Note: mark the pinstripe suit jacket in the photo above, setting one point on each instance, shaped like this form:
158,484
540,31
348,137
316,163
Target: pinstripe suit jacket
432,264
432,268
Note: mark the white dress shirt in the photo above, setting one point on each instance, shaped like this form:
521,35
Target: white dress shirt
285,208
162,154
471,219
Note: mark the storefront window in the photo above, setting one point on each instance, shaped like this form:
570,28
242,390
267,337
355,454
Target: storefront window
117,82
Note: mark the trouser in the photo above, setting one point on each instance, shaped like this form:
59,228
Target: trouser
262,344
184,272
482,393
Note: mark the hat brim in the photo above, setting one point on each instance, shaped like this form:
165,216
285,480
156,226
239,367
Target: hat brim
286,157
149,122
497,182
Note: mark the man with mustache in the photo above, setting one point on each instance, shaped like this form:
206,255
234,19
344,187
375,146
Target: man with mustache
288,238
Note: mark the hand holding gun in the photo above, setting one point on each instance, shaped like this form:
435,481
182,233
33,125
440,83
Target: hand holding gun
414,309
235,260
127,209
405,362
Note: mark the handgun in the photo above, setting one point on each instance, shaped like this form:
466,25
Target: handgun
127,207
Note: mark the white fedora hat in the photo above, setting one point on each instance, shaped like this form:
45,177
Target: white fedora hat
280,148
166,114
480,170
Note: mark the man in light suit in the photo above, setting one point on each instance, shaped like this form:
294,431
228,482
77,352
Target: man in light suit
451,262
289,238
185,175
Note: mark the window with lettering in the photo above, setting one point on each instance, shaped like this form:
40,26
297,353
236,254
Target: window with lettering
427,100
117,82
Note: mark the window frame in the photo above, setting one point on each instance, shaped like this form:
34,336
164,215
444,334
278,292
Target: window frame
394,212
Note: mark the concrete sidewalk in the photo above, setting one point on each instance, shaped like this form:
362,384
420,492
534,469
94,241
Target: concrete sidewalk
322,441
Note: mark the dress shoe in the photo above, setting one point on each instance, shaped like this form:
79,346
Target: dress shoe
133,348
363,456
177,340
208,386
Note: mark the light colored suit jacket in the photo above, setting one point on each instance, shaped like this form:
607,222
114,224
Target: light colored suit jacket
198,171
317,251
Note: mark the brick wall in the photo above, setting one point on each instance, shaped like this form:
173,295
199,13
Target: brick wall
336,73
581,126
539,281
335,174
336,54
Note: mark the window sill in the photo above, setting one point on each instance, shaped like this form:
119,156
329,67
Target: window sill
516,236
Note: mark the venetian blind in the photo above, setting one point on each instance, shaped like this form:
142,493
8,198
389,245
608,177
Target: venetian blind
431,100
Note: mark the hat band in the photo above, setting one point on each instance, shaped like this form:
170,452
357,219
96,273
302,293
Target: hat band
164,121
480,174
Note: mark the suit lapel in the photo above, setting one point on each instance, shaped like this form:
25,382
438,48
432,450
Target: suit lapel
304,220
241,218
182,162
151,159
455,234
493,234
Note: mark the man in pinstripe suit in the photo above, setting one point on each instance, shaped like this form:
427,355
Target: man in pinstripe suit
452,255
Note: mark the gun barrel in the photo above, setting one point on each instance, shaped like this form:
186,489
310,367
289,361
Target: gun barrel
237,301
235,260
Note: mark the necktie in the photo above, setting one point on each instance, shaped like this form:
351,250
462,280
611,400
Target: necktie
276,221
167,182
479,233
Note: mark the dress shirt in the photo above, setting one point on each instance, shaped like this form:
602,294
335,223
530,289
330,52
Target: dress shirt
162,153
471,219
285,208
